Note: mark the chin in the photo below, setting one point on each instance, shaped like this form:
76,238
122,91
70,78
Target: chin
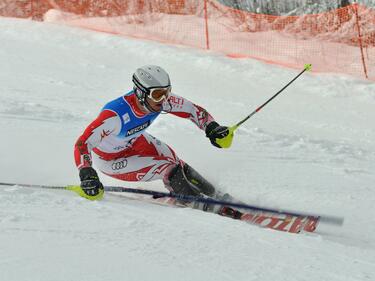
157,107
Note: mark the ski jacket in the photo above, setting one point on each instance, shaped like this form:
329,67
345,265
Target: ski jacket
121,122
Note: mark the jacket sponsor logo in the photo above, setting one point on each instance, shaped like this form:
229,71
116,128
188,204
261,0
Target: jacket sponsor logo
137,129
105,133
126,118
119,165
120,147
176,100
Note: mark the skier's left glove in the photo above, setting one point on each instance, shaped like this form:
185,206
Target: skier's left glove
91,187
215,131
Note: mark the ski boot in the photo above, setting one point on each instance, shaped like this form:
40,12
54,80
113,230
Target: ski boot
184,180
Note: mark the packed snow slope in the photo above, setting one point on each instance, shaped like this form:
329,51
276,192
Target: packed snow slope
312,149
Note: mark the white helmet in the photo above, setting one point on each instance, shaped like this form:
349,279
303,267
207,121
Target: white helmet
149,79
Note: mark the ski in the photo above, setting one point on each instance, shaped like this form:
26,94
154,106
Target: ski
276,219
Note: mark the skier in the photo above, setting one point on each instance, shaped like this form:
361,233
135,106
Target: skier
119,145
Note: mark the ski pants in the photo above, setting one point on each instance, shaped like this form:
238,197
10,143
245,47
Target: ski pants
147,159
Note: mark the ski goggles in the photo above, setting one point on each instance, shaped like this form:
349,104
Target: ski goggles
158,94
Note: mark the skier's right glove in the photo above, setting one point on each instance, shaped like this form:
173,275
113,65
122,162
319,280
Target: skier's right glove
214,131
91,187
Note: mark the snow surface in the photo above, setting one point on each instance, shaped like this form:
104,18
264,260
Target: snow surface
312,149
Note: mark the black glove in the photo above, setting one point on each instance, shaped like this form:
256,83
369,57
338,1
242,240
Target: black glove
90,182
215,131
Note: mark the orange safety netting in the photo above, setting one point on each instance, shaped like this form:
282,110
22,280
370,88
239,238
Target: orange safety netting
341,41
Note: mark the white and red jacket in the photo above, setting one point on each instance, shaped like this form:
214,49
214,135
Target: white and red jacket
121,122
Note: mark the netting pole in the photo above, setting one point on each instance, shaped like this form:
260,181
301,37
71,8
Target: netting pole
32,9
206,25
355,5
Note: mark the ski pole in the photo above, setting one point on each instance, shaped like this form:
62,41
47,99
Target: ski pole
227,141
34,185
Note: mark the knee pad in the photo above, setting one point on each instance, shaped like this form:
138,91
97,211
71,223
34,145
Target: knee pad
183,179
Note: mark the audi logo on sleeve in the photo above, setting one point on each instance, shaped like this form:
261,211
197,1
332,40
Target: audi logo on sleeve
119,165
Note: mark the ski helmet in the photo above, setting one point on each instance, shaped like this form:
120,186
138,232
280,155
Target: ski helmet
147,78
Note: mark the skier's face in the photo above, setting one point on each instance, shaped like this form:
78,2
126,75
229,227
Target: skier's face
156,106
157,96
